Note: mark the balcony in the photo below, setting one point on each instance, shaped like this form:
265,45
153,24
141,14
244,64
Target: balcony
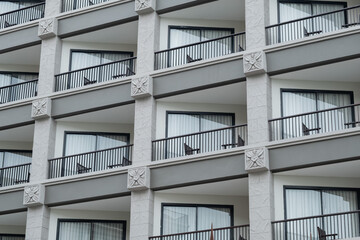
338,225
22,15
201,142
314,25
310,123
96,74
15,175
18,91
200,51
69,5
90,161
236,232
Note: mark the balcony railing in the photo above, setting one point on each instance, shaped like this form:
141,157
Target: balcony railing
100,73
90,161
22,15
200,51
342,225
69,5
201,142
15,175
317,24
323,121
18,91
227,233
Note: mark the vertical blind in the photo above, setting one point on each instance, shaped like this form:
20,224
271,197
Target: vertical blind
91,230
180,219
14,158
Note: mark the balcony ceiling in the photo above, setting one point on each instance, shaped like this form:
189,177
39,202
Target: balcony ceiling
19,134
14,219
120,34
346,71
123,114
228,94
227,10
121,204
236,187
350,169
25,56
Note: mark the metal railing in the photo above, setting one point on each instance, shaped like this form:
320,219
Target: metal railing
201,142
18,91
100,73
22,15
227,233
15,175
342,225
90,161
200,51
323,121
69,5
309,26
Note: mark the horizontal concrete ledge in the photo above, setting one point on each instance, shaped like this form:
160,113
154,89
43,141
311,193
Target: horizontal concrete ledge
311,154
204,171
15,117
203,77
87,190
165,6
19,38
313,53
12,202
97,19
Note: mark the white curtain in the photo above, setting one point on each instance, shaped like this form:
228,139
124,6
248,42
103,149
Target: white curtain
107,231
219,217
178,219
79,143
7,6
110,141
74,231
329,22
8,159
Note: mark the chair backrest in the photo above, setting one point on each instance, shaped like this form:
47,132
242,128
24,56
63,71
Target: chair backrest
126,162
321,233
188,149
241,238
240,142
81,169
305,129
129,72
189,59
306,33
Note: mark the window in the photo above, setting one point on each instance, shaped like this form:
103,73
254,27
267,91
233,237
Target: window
91,230
15,93
305,202
180,218
295,9
180,36
8,6
80,142
12,158
303,101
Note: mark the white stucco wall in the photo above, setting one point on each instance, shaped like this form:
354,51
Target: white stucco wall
162,107
280,181
12,229
19,68
55,214
240,204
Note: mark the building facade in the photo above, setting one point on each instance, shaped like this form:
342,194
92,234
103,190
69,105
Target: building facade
162,119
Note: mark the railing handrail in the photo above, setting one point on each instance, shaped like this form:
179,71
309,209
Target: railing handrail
314,16
314,112
96,66
21,9
317,216
201,231
21,165
197,133
16,84
206,41
87,153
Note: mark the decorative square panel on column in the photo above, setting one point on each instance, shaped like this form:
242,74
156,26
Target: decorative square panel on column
41,108
48,28
34,195
141,87
257,159
254,63
138,178
145,6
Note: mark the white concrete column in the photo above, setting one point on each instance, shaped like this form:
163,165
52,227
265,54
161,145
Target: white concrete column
256,19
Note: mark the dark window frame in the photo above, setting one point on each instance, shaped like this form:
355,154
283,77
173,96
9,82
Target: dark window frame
13,150
196,113
232,30
96,51
316,188
11,235
89,221
231,207
92,134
